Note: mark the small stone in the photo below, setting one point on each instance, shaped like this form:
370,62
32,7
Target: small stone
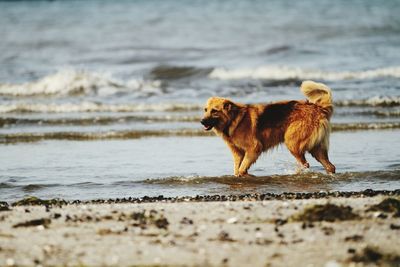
186,220
10,262
394,226
232,220
224,236
351,250
332,264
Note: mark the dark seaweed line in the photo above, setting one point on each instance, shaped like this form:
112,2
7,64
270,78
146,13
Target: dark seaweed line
387,102
95,121
364,126
81,136
110,120
212,198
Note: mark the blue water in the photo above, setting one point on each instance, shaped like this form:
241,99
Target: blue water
76,73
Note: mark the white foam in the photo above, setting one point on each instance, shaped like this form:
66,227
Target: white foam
70,82
93,107
373,101
284,73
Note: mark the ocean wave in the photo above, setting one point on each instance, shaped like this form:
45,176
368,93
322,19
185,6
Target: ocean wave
93,107
165,72
109,135
290,73
87,106
376,101
136,134
119,119
375,113
37,187
365,126
72,82
98,120
309,177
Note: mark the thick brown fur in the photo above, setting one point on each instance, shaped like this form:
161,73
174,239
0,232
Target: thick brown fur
248,130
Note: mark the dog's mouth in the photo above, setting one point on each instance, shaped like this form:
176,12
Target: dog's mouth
209,123
207,128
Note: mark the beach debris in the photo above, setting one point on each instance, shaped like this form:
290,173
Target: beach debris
208,198
232,220
380,215
146,218
394,226
279,222
263,241
389,205
225,237
328,230
4,206
45,222
186,220
6,235
10,262
299,240
328,212
82,218
34,201
354,238
108,231
373,255
332,263
161,222
259,234
306,225
56,215
351,250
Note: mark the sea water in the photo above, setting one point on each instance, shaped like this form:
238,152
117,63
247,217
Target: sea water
103,99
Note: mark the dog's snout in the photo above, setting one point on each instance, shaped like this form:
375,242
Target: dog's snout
207,121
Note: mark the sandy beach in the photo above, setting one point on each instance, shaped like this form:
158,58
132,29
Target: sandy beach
104,160
313,229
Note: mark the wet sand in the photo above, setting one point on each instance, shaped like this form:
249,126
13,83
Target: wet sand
313,229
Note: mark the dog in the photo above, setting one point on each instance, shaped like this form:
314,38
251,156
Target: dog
249,130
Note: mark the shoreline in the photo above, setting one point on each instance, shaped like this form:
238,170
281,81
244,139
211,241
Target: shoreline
31,200
290,229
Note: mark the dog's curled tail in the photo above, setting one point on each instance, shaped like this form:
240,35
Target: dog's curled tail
319,94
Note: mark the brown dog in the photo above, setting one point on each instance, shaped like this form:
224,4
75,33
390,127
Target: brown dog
249,130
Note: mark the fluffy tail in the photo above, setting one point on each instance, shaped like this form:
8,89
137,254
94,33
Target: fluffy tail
319,94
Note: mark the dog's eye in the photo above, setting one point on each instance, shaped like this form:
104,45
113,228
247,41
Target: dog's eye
205,110
213,111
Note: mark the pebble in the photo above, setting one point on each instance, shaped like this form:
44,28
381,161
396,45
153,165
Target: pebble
10,262
220,198
232,220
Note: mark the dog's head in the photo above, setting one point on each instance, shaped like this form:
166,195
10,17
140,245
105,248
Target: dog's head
217,113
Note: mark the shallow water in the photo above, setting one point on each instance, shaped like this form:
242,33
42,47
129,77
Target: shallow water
102,99
188,166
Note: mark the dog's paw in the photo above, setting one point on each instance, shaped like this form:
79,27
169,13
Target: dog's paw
244,175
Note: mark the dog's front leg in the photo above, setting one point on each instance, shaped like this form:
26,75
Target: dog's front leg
238,155
250,157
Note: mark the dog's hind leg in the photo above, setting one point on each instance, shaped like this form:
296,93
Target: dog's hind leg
321,154
296,141
300,157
